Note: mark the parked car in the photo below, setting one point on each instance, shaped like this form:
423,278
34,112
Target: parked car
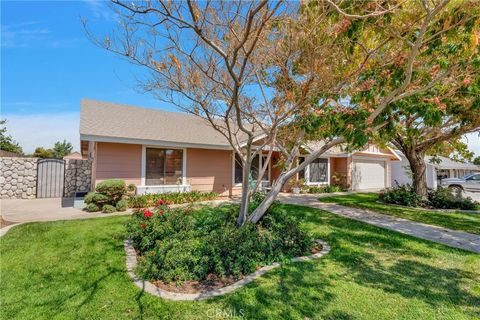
470,182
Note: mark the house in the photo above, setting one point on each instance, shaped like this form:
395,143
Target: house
73,156
162,151
435,171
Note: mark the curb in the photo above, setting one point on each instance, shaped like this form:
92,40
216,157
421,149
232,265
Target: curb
147,286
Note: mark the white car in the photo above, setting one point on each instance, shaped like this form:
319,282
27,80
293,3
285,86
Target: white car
470,182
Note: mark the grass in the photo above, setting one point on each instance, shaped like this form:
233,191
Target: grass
469,222
76,270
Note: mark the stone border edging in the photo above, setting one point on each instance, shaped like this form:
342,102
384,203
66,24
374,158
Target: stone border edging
131,262
433,210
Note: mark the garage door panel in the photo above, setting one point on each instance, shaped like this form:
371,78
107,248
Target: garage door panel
368,175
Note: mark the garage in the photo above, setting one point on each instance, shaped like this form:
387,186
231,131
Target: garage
368,174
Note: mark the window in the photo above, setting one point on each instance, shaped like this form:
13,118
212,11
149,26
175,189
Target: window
254,170
475,177
318,170
315,172
163,166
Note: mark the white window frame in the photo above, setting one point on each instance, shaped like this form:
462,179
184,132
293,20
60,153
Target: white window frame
144,167
261,163
307,173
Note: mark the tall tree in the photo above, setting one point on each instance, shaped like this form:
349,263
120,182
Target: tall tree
61,149
273,75
6,141
477,161
433,120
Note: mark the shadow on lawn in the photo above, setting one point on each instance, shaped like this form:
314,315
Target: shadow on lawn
367,256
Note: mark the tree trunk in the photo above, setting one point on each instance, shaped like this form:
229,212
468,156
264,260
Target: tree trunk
419,169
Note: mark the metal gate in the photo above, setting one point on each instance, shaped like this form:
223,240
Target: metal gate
50,178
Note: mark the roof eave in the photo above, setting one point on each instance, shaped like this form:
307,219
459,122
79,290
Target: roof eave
150,142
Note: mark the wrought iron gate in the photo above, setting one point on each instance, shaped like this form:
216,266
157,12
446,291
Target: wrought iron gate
50,178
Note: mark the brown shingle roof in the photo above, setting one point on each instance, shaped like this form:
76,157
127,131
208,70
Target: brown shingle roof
110,120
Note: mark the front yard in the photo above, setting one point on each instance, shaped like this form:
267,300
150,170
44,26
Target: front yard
76,269
469,222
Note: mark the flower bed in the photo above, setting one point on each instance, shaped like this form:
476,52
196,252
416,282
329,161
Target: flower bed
205,249
150,200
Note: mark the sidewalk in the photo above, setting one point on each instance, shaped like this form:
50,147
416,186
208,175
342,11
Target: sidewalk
452,238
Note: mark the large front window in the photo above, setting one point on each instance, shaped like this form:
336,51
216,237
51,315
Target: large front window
254,169
315,172
163,166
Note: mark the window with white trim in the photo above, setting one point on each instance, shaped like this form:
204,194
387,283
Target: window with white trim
315,172
163,166
255,168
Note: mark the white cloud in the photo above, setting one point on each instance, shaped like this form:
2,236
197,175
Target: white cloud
473,142
43,130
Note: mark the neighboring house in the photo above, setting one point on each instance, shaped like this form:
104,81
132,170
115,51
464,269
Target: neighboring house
444,168
161,151
73,156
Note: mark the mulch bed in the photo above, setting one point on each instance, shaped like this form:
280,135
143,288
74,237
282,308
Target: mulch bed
212,282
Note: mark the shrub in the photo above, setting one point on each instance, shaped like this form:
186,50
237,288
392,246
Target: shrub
92,207
122,205
325,189
177,245
442,198
108,209
403,195
97,198
114,189
150,200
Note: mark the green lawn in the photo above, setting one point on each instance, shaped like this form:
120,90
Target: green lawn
76,270
469,222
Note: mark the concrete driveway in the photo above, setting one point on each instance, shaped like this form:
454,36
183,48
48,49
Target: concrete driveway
16,210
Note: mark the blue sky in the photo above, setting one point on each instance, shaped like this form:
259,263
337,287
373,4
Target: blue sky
48,65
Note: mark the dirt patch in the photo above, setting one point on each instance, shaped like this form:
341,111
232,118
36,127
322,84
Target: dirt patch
4,223
212,282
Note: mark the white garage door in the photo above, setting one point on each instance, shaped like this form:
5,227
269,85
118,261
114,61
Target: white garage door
368,175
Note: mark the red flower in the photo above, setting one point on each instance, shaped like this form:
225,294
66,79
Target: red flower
143,225
148,214
160,212
161,202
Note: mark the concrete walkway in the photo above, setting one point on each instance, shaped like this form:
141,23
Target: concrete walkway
452,238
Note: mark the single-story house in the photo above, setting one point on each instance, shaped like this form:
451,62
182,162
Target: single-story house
435,170
162,151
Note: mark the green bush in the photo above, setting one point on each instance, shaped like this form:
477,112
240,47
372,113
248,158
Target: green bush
177,245
402,195
122,205
108,209
114,189
151,200
97,198
325,189
92,207
443,198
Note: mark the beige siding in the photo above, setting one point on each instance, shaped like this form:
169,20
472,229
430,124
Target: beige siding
119,161
210,170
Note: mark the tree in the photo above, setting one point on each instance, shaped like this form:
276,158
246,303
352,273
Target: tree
41,152
61,149
433,120
274,75
6,141
477,161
